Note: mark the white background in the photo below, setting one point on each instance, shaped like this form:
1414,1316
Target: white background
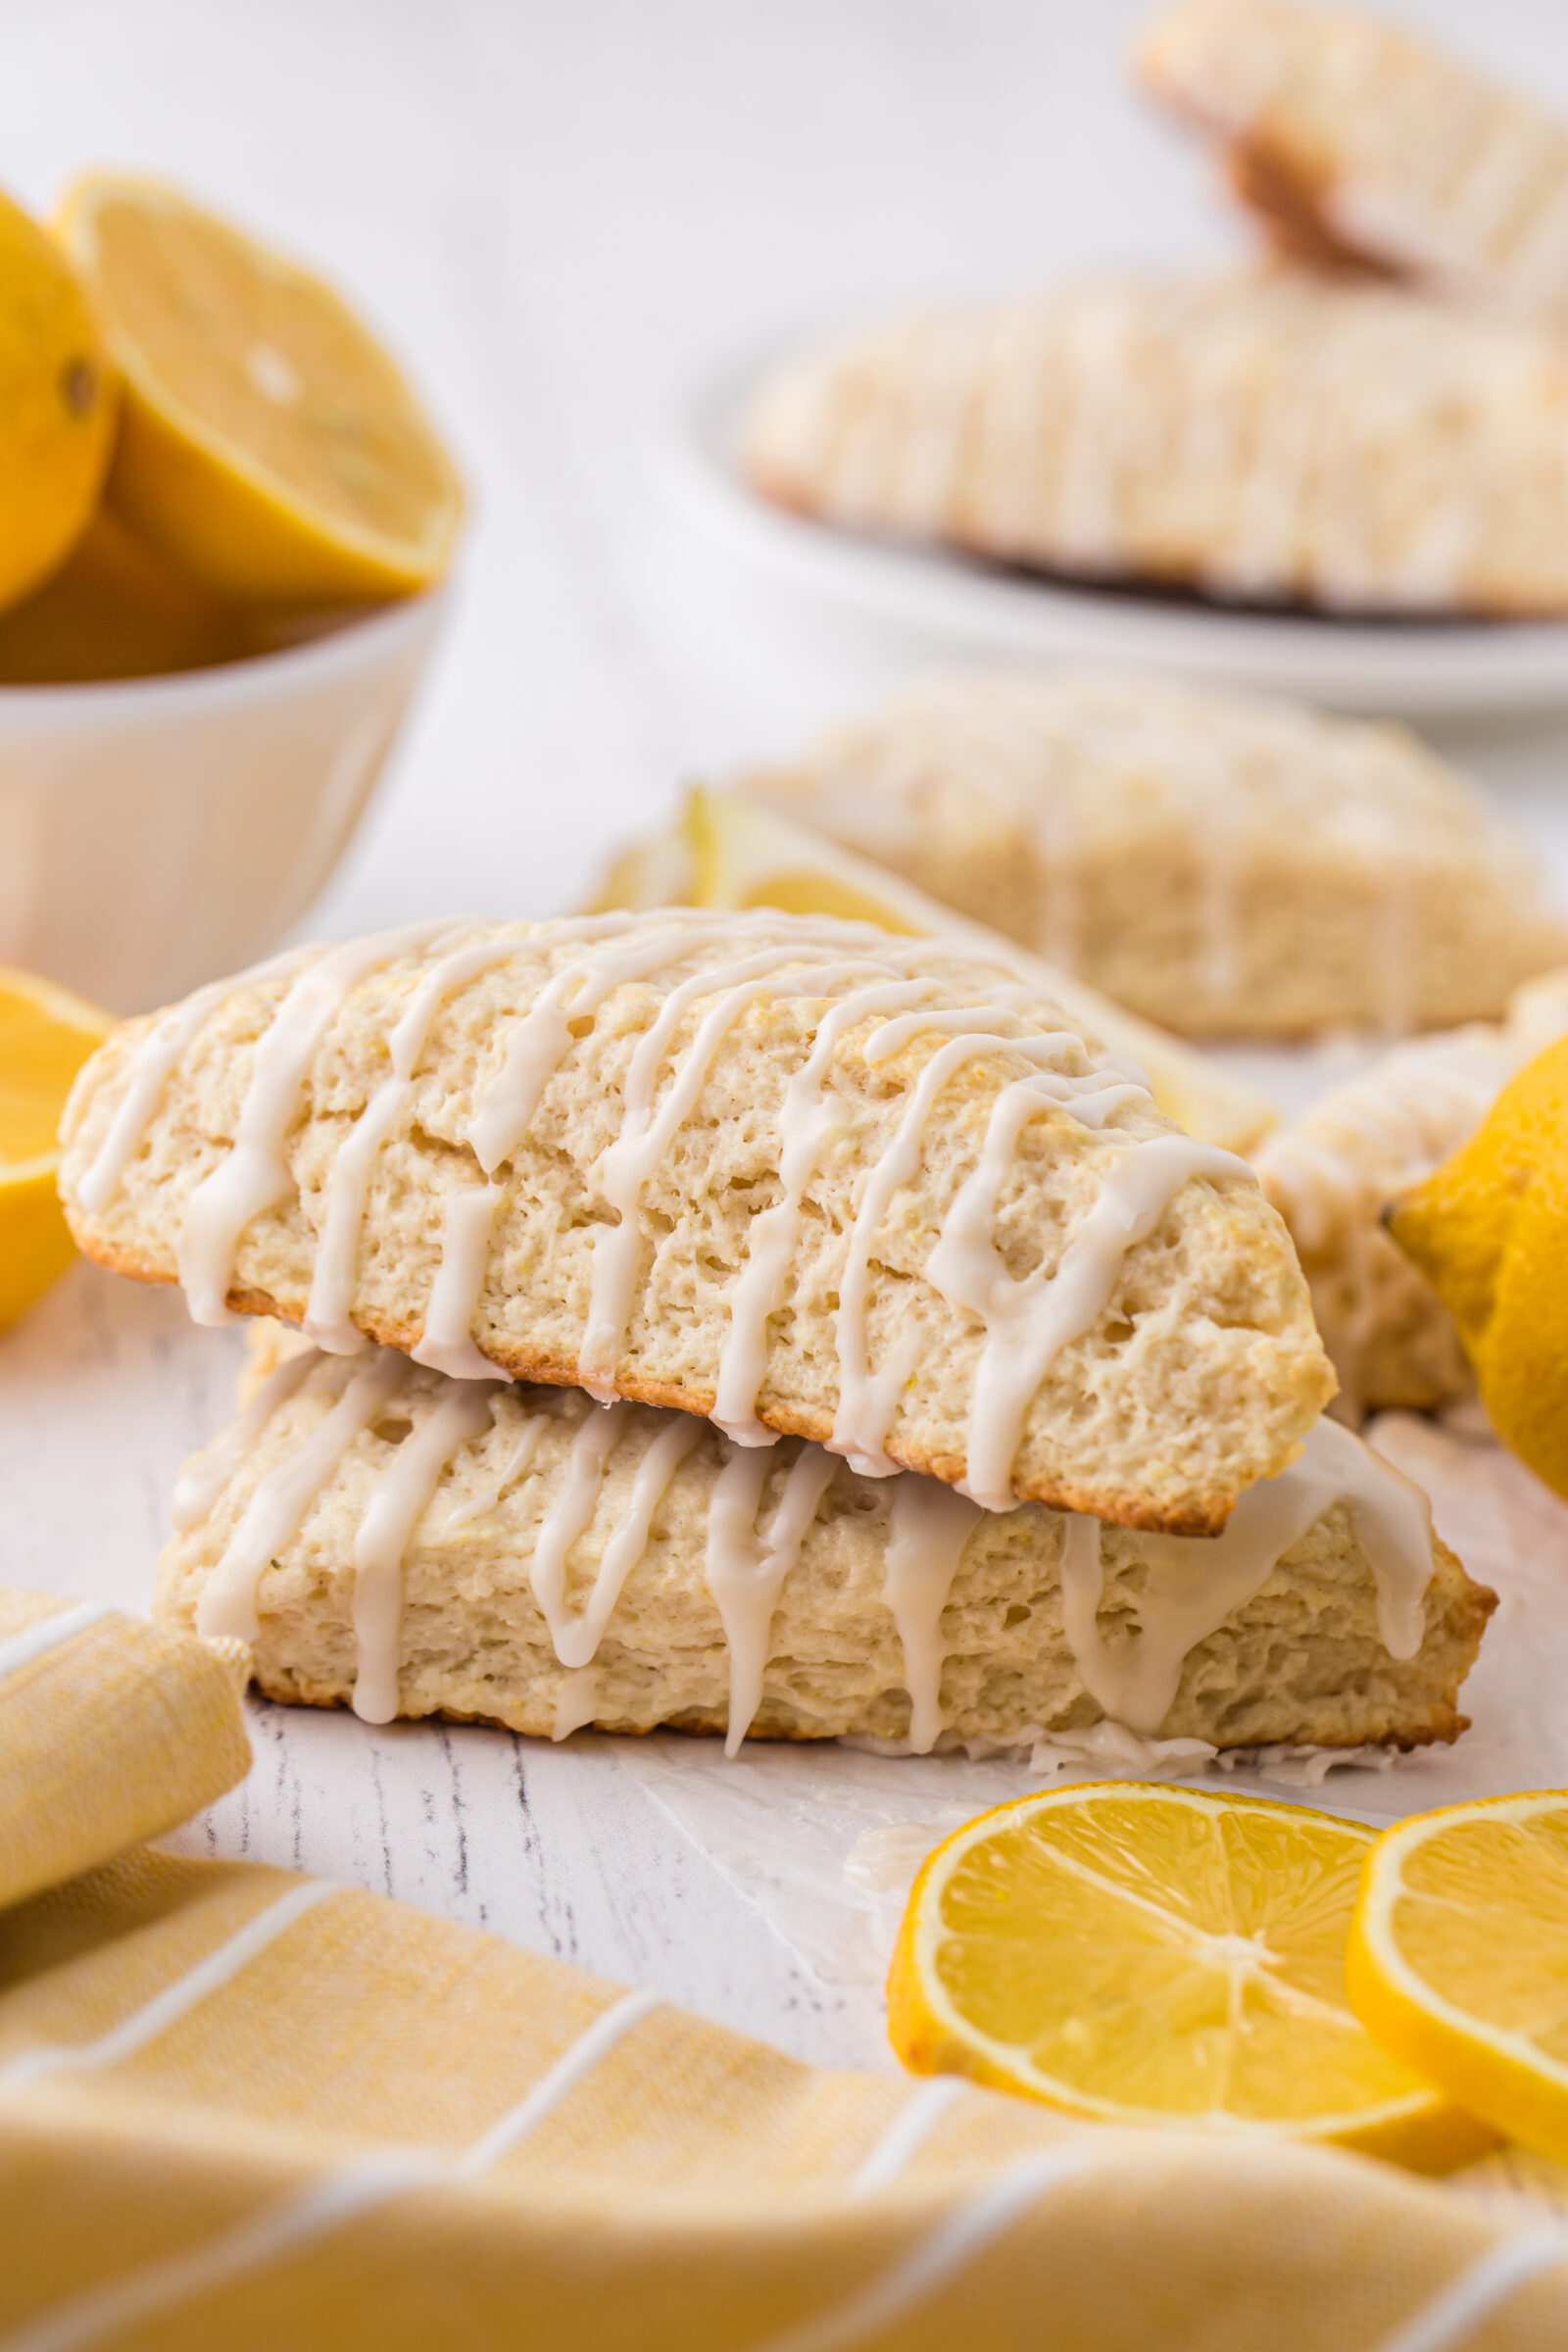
560,215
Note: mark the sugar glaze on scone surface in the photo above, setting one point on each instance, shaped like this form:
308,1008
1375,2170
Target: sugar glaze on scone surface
1224,864
799,1174
1268,437
390,1537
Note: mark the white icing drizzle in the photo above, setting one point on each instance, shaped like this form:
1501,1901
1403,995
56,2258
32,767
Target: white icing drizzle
806,1122
337,1251
516,1463
1195,1583
252,1176
154,1058
447,1344
400,1498
930,1526
205,1474
576,1701
646,1135
867,1399
274,1512
576,1638
745,1570
1029,1318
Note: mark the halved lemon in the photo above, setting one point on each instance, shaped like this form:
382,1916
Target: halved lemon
46,1034
728,851
1144,1954
269,446
1459,1958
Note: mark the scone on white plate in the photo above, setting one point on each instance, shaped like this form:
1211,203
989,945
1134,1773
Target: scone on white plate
387,1536
1221,864
795,1173
1356,136
1331,1173
1274,438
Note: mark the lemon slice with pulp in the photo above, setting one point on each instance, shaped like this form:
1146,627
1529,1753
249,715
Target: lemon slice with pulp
269,446
46,1034
1150,1955
1459,1958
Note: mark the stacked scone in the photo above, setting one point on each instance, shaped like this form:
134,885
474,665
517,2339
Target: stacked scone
748,1323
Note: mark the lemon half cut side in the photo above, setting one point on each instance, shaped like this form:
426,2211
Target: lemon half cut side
46,1034
269,446
1144,1954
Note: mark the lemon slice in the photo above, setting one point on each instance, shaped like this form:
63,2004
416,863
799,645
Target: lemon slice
739,854
1150,1955
269,446
46,1034
1459,1958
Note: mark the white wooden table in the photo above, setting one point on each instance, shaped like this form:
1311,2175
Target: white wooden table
559,213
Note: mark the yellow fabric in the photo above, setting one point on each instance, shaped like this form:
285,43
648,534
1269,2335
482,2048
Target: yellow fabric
238,2110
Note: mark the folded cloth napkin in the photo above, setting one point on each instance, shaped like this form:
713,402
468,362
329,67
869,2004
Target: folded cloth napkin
244,2109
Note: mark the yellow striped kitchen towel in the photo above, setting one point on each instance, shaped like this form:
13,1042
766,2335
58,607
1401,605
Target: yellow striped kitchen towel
241,2109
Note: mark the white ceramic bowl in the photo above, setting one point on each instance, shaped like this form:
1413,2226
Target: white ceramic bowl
155,832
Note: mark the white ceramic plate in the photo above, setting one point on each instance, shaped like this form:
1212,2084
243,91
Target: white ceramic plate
948,609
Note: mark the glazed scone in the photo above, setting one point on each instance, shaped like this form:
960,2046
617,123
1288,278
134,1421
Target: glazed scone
1359,137
796,1173
1334,1170
1273,438
412,1545
1223,864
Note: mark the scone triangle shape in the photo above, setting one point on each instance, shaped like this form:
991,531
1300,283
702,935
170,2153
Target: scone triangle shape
794,1174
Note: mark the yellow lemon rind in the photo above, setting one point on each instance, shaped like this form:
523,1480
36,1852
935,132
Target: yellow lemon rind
1494,2075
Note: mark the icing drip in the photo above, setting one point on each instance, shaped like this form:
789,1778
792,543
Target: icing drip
516,1463
930,1526
400,1498
1029,1318
337,1253
154,1060
646,1135
1195,1583
205,1476
805,1124
275,1512
576,1638
252,1176
576,1701
745,1571
867,1399
446,1343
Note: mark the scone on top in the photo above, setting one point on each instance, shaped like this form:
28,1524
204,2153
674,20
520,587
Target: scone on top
1224,865
794,1173
1273,437
1356,136
411,1544
1334,1170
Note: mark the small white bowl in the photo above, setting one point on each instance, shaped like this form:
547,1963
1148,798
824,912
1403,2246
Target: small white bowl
155,832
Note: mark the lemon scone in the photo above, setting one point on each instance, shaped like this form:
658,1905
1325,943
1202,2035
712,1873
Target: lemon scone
788,1171
1332,1172
1225,864
411,1543
1359,137
1278,437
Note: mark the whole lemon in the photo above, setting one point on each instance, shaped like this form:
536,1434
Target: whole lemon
1489,1231
57,406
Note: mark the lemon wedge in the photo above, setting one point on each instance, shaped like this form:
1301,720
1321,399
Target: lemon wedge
46,1034
269,446
1151,1955
730,851
1459,1958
